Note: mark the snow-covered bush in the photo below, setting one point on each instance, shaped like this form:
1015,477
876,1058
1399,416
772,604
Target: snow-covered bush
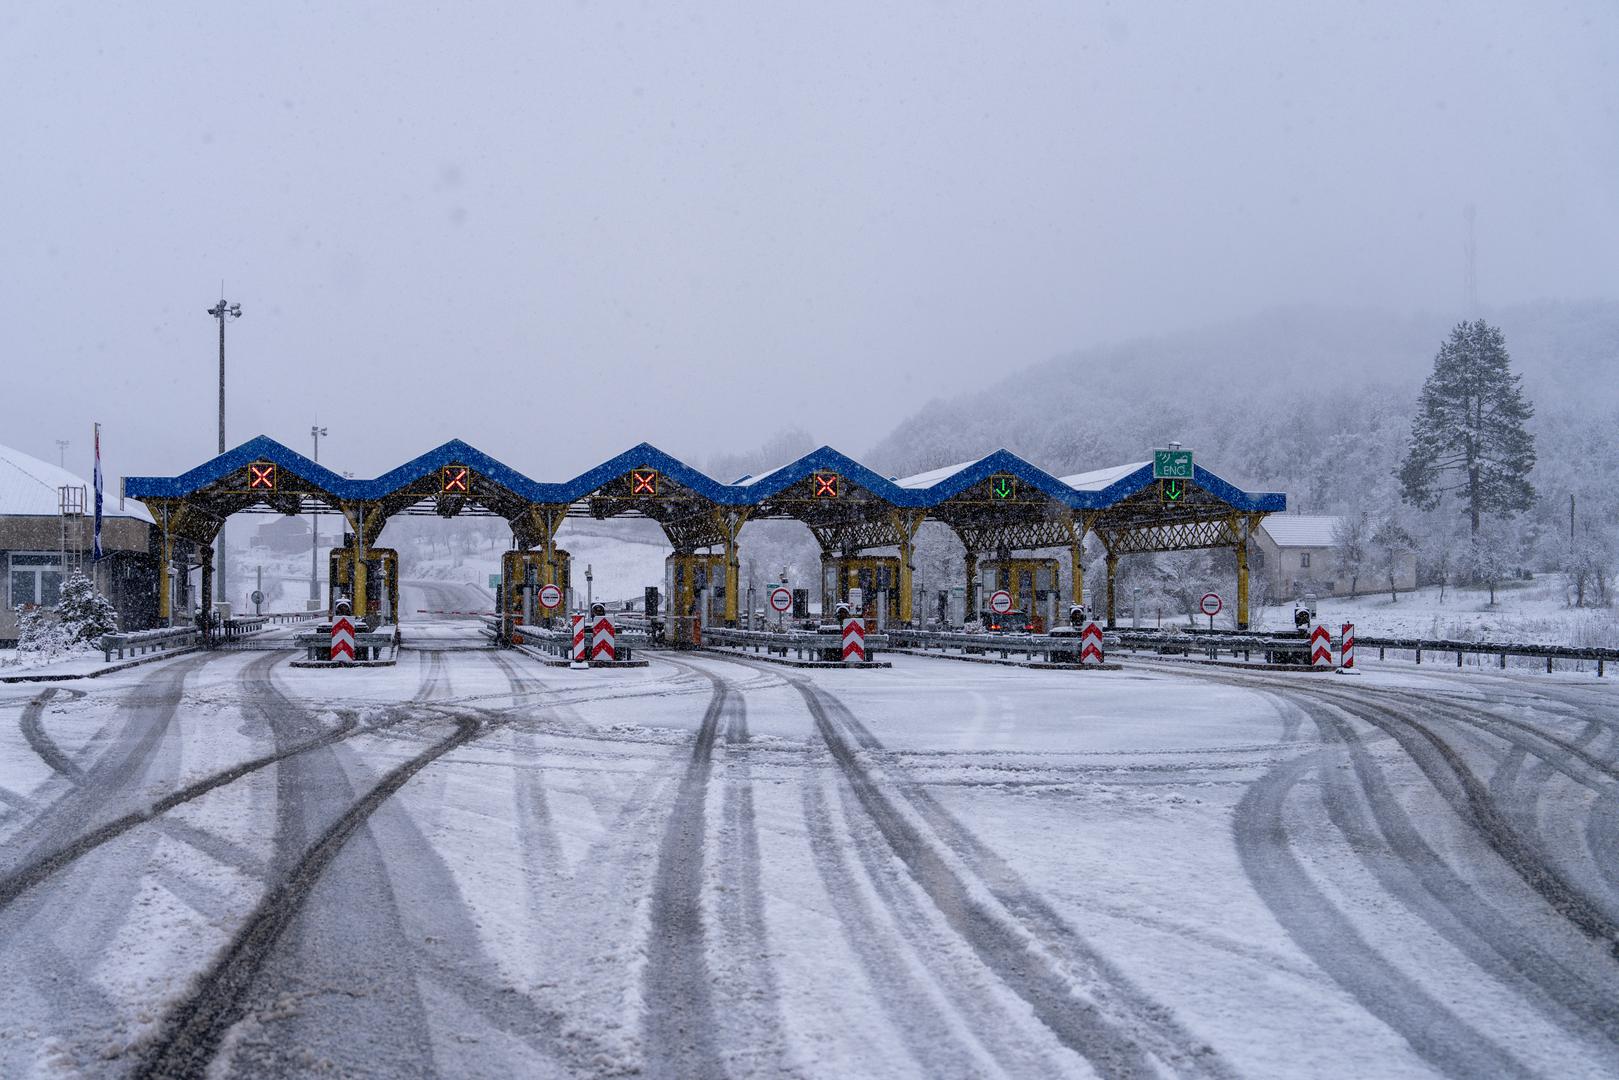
82,612
40,634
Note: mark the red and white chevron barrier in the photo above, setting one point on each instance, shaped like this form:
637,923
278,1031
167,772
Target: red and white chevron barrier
601,639
579,652
1320,646
1346,648
342,639
854,641
1090,643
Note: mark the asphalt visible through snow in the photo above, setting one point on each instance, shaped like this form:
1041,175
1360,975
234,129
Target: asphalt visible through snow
473,864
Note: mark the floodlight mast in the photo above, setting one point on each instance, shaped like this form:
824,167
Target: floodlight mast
221,311
315,432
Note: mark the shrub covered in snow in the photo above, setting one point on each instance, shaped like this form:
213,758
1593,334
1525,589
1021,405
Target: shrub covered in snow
83,613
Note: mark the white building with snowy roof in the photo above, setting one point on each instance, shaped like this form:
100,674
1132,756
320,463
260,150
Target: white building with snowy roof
47,517
1299,553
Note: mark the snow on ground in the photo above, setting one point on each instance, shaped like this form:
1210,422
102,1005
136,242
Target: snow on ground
1525,611
712,866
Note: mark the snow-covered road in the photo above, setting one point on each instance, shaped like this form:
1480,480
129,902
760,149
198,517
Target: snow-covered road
473,865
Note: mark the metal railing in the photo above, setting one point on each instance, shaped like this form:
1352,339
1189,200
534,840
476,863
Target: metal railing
138,642
1059,648
559,642
818,644
1500,649
368,644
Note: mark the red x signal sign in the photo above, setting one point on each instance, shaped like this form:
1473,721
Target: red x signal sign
643,481
455,480
826,485
261,476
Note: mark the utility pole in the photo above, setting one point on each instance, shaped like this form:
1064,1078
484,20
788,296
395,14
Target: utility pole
221,311
315,432
61,452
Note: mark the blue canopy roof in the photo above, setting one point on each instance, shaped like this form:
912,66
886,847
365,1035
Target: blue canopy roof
747,492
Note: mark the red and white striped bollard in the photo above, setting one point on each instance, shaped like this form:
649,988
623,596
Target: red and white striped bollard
854,641
1090,644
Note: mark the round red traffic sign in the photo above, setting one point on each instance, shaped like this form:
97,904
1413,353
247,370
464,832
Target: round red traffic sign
1210,604
781,599
550,596
1001,602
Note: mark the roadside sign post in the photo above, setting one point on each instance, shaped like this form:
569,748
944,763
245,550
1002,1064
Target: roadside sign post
781,601
1210,606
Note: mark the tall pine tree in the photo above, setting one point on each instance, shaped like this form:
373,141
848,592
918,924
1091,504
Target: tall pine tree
1468,436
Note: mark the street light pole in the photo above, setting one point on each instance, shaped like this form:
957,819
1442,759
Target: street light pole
221,311
315,432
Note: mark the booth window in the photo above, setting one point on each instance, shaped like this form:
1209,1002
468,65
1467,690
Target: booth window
36,578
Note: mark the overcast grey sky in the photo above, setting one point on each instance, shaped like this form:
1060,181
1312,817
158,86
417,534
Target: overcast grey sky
555,230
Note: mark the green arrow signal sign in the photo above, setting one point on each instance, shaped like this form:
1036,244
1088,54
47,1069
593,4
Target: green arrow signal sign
1172,490
1002,487
1172,464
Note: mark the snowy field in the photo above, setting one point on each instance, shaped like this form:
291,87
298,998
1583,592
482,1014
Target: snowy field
1525,611
473,865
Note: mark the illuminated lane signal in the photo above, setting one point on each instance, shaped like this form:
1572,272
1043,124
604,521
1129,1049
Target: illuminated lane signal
1003,488
826,485
261,476
455,480
643,481
1173,492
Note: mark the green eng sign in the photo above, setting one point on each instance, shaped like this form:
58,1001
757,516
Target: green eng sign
1172,465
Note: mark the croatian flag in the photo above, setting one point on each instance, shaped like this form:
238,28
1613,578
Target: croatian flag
95,553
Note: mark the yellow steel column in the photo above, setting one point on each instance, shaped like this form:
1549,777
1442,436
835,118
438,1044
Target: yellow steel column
905,589
358,604
731,524
1076,562
972,585
906,524
165,583
1242,576
1112,574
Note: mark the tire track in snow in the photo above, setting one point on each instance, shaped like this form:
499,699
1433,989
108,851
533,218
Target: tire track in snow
1436,1034
41,743
1366,810
198,1023
914,1012
1115,1026
31,873
678,1024
1469,797
749,1010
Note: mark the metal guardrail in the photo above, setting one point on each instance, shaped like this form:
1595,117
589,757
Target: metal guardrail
367,644
1061,646
820,645
1500,649
559,642
137,642
1234,641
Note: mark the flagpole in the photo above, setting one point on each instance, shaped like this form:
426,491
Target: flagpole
95,547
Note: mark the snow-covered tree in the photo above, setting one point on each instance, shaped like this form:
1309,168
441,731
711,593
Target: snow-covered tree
1391,545
83,613
1350,537
1588,568
1468,436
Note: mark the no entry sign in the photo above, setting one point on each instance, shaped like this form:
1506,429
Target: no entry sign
1210,604
550,596
781,599
1001,602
